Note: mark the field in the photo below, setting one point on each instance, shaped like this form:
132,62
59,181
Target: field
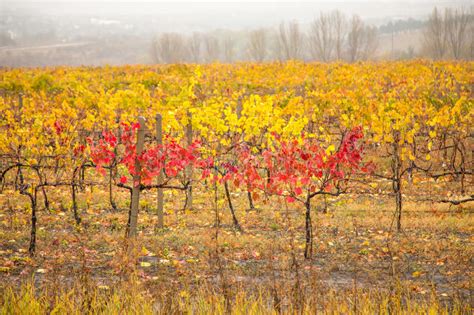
260,188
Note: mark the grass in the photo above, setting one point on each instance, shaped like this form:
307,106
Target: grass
135,300
360,265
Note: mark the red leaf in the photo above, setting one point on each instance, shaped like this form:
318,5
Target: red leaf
123,180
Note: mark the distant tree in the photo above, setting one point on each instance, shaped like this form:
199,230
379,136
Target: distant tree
290,41
409,53
229,48
211,48
457,27
322,35
370,41
257,45
435,35
470,48
168,48
362,40
401,25
194,47
355,38
327,36
340,32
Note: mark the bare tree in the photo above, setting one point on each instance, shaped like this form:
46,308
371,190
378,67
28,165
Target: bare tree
322,37
457,23
370,42
168,48
154,53
194,47
211,48
362,40
290,41
257,45
435,35
340,32
229,52
355,38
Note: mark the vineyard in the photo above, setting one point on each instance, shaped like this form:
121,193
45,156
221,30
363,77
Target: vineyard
246,188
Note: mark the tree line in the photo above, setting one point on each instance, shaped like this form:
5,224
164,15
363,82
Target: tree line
331,36
450,34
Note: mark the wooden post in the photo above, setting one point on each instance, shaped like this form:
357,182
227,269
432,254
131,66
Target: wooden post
159,140
136,179
189,168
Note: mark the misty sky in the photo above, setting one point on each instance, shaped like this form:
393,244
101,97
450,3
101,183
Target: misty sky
185,16
74,32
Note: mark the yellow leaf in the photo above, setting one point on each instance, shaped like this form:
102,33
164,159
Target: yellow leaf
4,269
145,251
330,149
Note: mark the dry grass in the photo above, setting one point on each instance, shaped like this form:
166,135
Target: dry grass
359,266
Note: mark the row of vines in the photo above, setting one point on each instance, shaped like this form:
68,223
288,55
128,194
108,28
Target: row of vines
294,130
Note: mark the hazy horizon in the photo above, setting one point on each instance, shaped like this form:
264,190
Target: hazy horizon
120,32
205,16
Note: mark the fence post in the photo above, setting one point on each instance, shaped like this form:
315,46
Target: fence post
189,168
136,179
160,201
